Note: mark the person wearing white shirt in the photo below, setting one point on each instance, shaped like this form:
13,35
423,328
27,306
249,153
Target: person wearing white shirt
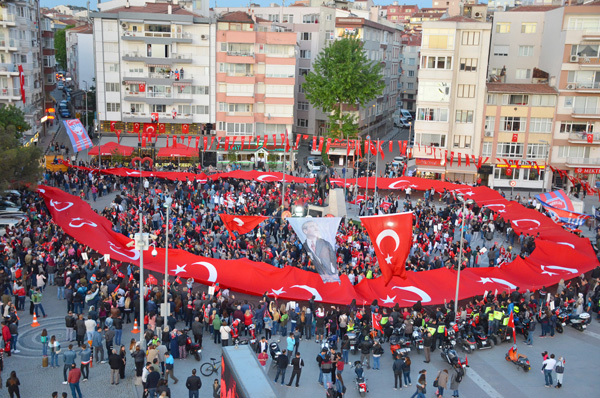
547,367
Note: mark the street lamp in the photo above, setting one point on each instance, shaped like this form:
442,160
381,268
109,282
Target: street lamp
167,204
368,167
460,250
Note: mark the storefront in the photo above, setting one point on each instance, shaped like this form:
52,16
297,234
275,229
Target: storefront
338,152
256,156
527,175
432,169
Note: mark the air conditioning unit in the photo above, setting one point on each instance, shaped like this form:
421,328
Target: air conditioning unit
213,132
204,37
489,133
574,58
571,86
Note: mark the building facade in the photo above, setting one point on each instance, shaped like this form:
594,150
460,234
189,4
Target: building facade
518,130
399,13
409,84
155,64
80,56
256,79
451,93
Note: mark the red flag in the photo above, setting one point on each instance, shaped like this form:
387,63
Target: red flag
511,324
459,159
212,140
120,275
189,140
113,126
178,280
240,224
314,146
185,128
162,128
380,149
321,141
144,135
197,142
451,160
22,82
130,277
358,147
467,160
297,142
373,147
226,143
392,238
205,142
243,142
515,137
274,139
403,145
174,140
118,135
136,127
376,318
151,280
479,162
349,144
391,146
590,138
149,130
359,198
328,146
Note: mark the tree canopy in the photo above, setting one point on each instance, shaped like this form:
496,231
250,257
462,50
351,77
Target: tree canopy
60,45
20,165
343,76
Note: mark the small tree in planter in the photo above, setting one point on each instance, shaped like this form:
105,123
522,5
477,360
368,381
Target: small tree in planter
272,161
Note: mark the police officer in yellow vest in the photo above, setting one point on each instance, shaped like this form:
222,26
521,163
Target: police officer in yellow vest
440,334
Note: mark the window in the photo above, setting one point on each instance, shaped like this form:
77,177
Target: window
410,86
574,152
491,99
329,35
305,36
305,54
137,108
537,151
528,27
582,23
303,71
284,71
503,27
464,116
543,100
302,105
468,64
585,50
515,99
540,125
184,109
585,105
235,108
470,38
273,17
512,124
313,18
501,51
466,91
158,108
462,141
532,174
237,128
576,127
525,51
523,74
302,123
111,47
204,90
236,69
113,107
500,173
432,114
584,78
438,41
200,109
436,140
490,125
509,150
112,87
486,149
433,62
411,73
279,90
288,18
112,67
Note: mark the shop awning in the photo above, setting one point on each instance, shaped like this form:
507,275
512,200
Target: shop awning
182,84
178,150
111,148
127,81
160,65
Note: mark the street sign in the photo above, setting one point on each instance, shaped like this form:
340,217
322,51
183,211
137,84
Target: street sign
78,115
513,183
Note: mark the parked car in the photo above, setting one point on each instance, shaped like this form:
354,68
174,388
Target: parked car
314,165
64,113
404,122
6,205
60,85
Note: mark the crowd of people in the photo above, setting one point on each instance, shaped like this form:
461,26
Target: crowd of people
100,298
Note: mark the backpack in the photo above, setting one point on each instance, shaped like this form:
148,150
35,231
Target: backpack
459,375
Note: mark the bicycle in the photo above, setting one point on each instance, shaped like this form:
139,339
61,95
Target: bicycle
208,368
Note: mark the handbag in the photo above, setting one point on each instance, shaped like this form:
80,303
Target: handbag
559,369
435,382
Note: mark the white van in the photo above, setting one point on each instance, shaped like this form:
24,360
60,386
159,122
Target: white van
406,114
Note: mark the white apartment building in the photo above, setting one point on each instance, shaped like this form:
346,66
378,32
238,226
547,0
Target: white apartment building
80,56
411,47
451,94
154,60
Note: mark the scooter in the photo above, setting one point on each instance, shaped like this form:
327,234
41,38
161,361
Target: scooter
481,339
466,340
352,337
275,351
449,354
361,381
193,348
518,359
417,339
399,344
567,316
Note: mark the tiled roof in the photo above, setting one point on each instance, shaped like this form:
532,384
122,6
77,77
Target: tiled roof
529,88
153,8
82,29
533,8
236,16
458,18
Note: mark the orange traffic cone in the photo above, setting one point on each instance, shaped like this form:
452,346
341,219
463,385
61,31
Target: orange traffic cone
92,357
135,327
35,322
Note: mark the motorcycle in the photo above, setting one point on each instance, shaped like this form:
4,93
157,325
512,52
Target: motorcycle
191,347
522,327
275,351
518,359
567,316
481,339
417,339
448,354
399,344
466,340
504,334
353,338
360,380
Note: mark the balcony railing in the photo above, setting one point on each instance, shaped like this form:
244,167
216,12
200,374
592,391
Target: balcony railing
157,75
8,92
7,17
161,115
583,137
241,53
145,55
183,35
586,110
8,43
591,85
583,161
163,94
8,68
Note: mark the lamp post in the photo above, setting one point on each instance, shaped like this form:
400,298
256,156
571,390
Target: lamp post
460,250
141,244
368,166
168,202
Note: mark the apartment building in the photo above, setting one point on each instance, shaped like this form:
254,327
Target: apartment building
575,64
255,77
419,18
518,129
21,45
451,94
517,43
48,61
80,56
398,13
155,63
411,47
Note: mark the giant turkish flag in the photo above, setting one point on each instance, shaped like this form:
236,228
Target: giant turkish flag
392,238
240,224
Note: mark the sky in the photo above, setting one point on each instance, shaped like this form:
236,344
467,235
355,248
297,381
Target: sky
222,3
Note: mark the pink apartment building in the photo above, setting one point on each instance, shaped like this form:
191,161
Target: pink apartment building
255,76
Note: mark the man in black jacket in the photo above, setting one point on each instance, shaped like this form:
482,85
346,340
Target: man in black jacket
297,364
398,368
152,382
282,363
193,384
115,361
365,351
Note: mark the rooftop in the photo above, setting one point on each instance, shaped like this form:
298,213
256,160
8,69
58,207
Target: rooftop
459,18
87,29
528,88
153,8
533,8
236,16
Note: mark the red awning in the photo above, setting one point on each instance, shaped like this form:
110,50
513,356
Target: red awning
178,150
111,148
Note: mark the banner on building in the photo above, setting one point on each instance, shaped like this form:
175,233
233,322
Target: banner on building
318,239
80,139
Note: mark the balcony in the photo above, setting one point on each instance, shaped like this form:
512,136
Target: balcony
591,34
159,98
13,94
157,37
574,162
585,112
148,59
158,78
8,70
589,87
581,138
144,117
7,20
9,45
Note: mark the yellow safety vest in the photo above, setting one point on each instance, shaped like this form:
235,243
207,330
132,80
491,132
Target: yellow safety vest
441,328
369,274
431,330
487,309
350,327
505,321
498,315
384,320
490,316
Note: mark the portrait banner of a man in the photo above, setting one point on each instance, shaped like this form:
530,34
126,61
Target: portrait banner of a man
318,239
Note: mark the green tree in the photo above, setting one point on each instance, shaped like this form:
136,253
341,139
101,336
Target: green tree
343,77
60,45
20,165
12,116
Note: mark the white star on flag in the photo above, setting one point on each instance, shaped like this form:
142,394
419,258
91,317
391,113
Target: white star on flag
485,280
278,292
388,259
388,300
180,268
